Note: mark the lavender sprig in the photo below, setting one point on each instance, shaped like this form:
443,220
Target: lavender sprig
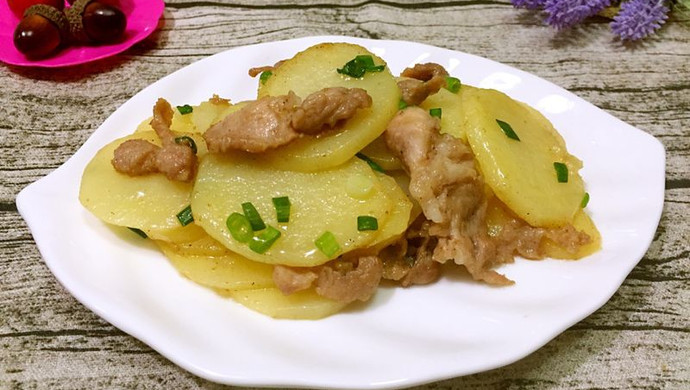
639,18
529,4
567,13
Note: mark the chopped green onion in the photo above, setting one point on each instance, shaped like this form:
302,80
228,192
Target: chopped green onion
402,105
139,232
253,216
507,130
185,216
189,141
561,172
282,205
327,244
453,84
265,76
239,227
437,112
367,222
264,240
371,162
585,200
358,66
186,109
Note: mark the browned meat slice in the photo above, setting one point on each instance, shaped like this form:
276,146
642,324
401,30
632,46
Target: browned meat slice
177,162
343,280
421,81
448,187
273,121
293,279
260,125
253,72
516,236
327,107
138,157
359,283
409,261
162,120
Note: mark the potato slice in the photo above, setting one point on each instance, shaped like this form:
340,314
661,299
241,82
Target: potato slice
521,173
198,121
400,218
203,246
249,283
314,69
452,110
302,305
328,200
226,271
149,203
379,153
206,114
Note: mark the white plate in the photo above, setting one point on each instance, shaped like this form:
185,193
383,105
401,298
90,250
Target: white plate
405,336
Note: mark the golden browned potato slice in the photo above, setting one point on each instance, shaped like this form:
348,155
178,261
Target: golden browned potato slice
302,305
226,271
327,200
314,69
521,172
149,203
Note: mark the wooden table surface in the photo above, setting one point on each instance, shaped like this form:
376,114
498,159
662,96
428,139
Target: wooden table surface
639,339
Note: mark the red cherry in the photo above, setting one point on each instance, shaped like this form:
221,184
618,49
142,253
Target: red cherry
19,6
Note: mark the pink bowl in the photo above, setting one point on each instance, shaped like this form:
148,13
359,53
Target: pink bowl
142,20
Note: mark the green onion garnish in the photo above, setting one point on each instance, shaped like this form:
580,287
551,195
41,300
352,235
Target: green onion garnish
327,244
185,216
367,222
282,205
437,112
189,141
402,105
186,109
453,84
239,227
139,232
360,65
264,240
585,200
253,216
561,172
507,130
265,76
371,162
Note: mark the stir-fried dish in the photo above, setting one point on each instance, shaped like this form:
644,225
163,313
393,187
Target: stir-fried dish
341,176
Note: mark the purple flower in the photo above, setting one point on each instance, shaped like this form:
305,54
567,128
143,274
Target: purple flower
529,4
567,13
639,18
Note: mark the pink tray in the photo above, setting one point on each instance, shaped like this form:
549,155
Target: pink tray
142,20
